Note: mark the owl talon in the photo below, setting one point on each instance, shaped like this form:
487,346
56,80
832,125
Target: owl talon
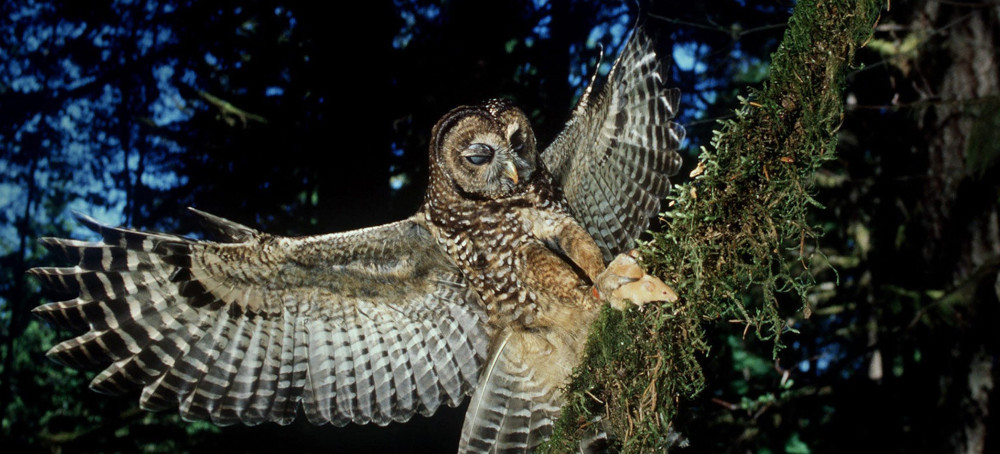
624,280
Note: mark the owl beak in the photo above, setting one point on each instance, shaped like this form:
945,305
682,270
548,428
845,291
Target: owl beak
511,171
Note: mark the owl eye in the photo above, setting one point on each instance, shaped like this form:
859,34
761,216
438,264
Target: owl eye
517,143
477,159
478,154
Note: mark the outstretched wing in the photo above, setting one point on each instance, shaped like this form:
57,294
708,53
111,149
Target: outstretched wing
615,155
371,325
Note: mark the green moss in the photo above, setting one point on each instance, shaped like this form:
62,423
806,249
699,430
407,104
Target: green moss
735,238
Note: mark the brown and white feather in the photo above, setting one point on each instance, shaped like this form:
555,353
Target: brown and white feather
615,155
372,325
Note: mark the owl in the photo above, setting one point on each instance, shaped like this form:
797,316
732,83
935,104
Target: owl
488,290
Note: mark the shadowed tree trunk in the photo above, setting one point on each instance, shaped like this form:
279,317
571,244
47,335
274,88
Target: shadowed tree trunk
960,91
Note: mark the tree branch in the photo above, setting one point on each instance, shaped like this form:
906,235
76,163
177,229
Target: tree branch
734,239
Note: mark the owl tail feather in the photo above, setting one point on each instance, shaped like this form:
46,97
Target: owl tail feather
512,410
232,231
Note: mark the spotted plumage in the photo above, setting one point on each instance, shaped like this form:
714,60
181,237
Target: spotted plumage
487,290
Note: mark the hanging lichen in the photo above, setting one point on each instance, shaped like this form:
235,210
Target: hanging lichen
735,237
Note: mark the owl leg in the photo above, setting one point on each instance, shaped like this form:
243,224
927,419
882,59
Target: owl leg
624,280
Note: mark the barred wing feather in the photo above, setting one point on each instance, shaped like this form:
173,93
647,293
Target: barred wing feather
615,155
371,325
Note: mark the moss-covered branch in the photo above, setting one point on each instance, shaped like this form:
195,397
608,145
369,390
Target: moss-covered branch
735,236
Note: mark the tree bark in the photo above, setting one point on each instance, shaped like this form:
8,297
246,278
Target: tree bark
961,89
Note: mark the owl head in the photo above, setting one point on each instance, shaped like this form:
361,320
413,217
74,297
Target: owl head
485,151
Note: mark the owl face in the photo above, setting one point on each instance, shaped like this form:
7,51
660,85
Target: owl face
486,151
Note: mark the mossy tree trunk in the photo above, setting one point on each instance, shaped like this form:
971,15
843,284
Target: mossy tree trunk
736,236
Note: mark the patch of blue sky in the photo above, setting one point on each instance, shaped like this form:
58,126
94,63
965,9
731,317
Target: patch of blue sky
71,30
132,159
35,36
14,67
429,12
409,10
704,85
596,34
405,34
396,150
401,40
189,77
620,29
77,153
169,107
692,107
113,213
25,84
522,72
8,237
113,165
12,197
18,78
28,11
408,17
79,82
28,127
110,97
771,8
70,70
164,35
617,29
101,37
274,91
80,156
613,33
688,57
145,41
542,29
396,182
151,6
249,26
156,177
67,121
828,354
576,80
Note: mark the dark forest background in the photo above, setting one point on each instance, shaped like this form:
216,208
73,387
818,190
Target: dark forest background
309,117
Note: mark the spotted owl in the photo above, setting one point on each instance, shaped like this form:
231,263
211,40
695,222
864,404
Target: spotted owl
488,290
